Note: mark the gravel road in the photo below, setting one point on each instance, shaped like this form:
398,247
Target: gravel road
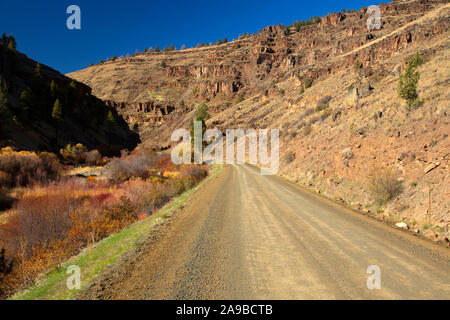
247,236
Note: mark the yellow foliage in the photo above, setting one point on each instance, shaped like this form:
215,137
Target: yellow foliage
171,174
6,150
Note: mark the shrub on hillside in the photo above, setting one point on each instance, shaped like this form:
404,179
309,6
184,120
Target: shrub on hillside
288,158
384,185
50,164
302,90
121,214
40,219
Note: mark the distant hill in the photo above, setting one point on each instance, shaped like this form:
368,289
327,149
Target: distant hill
41,109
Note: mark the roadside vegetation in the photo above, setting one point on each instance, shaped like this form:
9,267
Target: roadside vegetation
50,216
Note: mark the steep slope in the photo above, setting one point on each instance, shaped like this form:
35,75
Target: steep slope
29,120
350,122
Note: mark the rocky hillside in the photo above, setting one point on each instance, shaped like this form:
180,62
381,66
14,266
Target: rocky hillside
32,119
331,88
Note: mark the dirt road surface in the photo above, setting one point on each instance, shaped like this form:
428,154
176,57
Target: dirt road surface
248,236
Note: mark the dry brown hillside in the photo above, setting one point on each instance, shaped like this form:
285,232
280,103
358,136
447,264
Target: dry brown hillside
347,125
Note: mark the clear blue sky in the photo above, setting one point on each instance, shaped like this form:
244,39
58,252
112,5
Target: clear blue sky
111,28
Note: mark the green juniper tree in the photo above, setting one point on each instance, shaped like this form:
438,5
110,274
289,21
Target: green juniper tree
407,86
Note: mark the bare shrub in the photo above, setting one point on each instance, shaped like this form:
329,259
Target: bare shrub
93,157
22,168
384,185
50,165
288,158
137,164
40,220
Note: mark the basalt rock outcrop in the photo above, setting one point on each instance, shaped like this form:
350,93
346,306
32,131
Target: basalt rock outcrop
142,112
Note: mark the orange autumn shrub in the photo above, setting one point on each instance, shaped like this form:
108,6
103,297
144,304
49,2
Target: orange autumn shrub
51,223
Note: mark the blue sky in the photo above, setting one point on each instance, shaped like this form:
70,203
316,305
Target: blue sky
111,28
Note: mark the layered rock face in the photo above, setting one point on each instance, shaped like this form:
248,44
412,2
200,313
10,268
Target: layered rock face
143,112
